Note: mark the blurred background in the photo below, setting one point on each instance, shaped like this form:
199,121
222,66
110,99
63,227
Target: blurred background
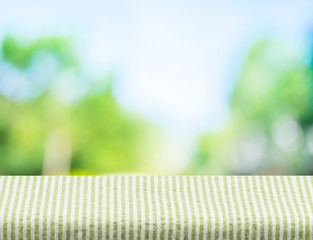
156,87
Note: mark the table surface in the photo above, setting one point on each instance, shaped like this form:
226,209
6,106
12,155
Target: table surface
156,207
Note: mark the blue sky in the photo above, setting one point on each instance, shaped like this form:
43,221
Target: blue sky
177,61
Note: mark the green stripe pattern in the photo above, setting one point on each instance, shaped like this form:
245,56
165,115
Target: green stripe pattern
156,207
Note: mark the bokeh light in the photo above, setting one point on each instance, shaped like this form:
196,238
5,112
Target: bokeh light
165,87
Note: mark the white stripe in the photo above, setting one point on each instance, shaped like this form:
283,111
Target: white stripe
12,203
119,207
309,178
232,206
297,194
256,209
240,204
307,204
247,205
3,205
203,208
57,208
134,196
142,203
112,210
150,207
127,212
18,209
49,210
195,206
1,189
88,206
96,209
278,207
27,204
283,198
188,207
66,195
241,212
157,205
34,209
264,212
1,183
73,206
225,206
181,210
104,212
81,208
270,205
166,220
209,200
42,206
293,207
219,209
171,195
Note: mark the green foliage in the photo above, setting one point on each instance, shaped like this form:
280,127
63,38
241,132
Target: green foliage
103,138
20,54
271,116
272,83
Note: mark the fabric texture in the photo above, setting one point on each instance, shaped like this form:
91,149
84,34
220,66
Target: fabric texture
156,207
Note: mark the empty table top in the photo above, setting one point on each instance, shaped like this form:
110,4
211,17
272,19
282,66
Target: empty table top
156,207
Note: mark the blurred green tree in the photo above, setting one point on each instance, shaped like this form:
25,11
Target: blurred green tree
55,118
270,123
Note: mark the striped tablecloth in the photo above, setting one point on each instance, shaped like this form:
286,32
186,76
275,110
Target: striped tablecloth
148,207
